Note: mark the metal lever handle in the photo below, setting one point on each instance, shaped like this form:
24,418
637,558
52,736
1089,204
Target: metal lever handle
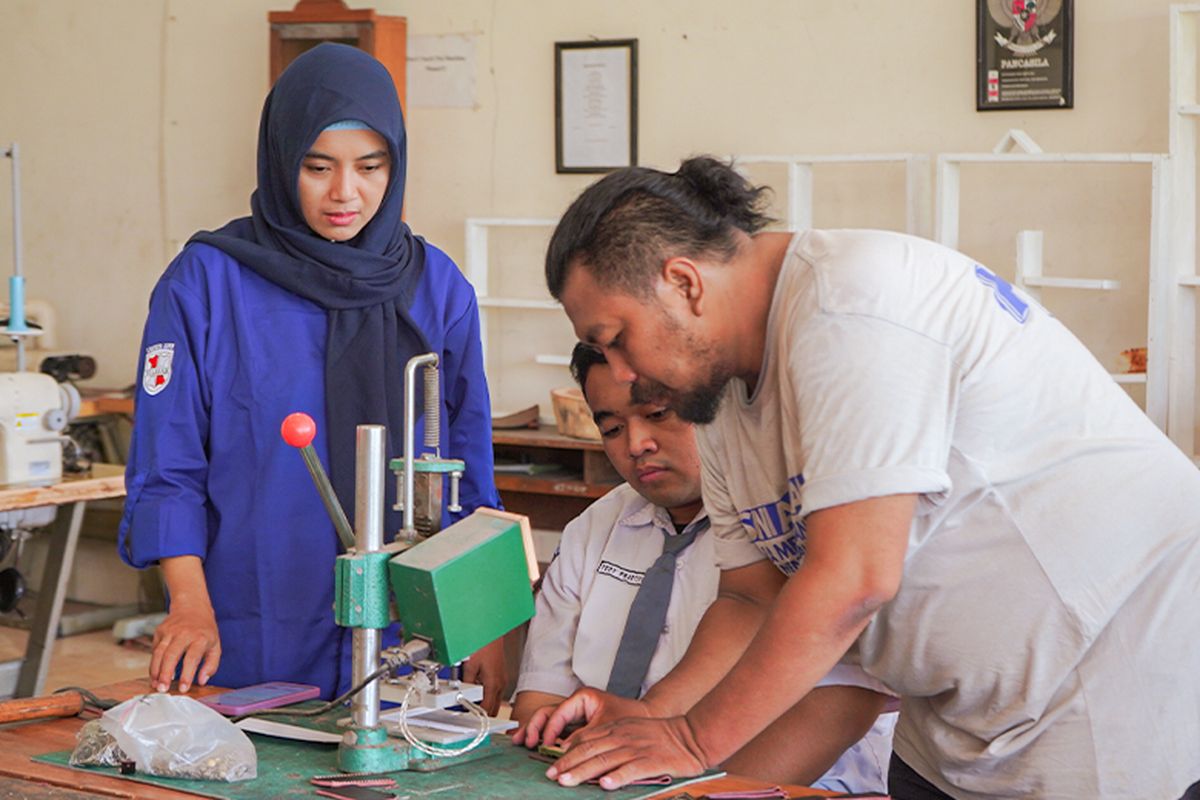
298,430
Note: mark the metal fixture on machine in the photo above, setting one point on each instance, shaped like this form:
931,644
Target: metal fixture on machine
421,498
454,592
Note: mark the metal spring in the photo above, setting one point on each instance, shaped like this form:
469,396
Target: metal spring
433,407
425,526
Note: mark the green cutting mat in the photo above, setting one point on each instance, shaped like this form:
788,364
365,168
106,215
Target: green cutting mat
284,768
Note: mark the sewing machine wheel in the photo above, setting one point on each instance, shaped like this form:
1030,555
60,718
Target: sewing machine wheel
12,589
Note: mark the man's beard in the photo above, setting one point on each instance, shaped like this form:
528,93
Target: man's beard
698,406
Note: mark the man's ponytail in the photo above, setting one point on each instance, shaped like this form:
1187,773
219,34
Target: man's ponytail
731,197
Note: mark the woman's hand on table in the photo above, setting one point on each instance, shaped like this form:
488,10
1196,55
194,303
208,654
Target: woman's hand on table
187,639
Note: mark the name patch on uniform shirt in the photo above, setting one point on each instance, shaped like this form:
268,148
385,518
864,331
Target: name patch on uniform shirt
620,573
156,372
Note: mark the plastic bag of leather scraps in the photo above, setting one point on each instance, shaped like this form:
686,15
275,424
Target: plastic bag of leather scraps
169,736
95,747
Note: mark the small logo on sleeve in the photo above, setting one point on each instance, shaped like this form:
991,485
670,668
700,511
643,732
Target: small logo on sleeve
1006,296
156,373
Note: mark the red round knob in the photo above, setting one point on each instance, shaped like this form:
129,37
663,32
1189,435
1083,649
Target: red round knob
298,429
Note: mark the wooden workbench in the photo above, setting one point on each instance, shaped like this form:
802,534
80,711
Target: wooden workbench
101,482
91,406
26,677
21,776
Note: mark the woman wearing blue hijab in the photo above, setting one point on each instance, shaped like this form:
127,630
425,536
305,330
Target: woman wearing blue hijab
313,303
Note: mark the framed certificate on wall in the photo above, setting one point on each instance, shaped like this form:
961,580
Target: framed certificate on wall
1024,54
595,105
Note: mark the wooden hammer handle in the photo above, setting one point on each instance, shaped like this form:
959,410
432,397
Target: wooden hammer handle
63,704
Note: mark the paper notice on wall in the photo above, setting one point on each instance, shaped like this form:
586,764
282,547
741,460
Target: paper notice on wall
595,107
441,71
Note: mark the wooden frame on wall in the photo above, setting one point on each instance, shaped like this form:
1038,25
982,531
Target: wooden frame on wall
595,105
314,21
1024,54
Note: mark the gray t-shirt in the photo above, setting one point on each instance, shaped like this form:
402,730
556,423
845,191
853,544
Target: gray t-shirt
1046,636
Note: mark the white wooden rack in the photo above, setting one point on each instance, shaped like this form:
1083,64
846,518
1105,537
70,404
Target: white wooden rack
477,270
1182,279
800,184
1017,147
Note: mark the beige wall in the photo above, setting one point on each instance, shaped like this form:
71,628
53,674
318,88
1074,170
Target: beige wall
137,123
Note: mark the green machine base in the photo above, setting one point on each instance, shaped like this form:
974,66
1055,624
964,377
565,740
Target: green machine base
373,750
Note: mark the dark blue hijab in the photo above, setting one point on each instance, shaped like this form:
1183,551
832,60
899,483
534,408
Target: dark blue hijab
366,284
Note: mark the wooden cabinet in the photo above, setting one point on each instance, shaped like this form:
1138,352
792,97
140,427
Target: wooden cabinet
571,474
314,21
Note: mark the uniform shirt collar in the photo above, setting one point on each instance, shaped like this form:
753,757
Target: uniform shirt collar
643,513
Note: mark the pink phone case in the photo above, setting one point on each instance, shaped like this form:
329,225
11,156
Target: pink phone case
260,696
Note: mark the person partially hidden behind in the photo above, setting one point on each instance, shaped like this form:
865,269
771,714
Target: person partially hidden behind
604,620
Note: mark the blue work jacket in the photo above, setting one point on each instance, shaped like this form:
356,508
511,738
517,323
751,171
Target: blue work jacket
226,355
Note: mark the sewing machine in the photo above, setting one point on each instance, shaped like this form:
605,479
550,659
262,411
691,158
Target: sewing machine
34,408
454,592
34,411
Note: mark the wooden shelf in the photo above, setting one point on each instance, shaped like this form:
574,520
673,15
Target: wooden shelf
543,436
552,499
569,484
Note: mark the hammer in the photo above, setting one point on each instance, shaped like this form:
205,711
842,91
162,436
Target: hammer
66,702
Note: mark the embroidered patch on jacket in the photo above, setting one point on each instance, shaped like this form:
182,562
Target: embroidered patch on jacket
156,373
620,573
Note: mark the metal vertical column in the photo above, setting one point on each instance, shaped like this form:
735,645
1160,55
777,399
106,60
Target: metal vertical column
16,283
368,520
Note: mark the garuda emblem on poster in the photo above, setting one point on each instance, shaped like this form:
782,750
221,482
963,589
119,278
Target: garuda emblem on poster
1024,20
